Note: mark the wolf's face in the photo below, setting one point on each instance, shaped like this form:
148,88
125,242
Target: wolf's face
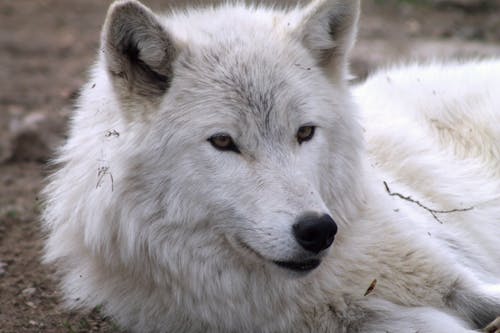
244,129
251,147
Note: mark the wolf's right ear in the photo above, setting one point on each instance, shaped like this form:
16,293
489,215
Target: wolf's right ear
139,55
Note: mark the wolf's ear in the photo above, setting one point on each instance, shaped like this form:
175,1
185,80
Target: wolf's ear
328,29
139,55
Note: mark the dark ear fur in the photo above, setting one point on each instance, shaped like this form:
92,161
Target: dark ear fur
328,30
139,54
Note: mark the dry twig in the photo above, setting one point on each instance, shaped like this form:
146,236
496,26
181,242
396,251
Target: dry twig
371,288
433,212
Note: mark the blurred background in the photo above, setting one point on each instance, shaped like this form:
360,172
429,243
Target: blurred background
46,47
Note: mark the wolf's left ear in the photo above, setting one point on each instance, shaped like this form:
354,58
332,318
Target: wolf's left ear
139,55
328,29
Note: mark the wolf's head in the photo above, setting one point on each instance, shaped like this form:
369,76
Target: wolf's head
238,148
249,127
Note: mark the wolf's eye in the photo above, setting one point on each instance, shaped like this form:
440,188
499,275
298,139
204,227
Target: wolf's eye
223,142
305,133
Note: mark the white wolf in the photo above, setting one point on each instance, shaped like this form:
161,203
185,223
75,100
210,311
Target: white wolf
214,153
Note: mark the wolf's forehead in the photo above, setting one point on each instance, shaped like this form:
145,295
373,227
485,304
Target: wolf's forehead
246,84
246,63
254,76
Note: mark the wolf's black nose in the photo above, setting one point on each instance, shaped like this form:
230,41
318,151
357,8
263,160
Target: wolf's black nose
315,233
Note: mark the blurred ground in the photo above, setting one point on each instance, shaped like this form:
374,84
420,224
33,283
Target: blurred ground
46,47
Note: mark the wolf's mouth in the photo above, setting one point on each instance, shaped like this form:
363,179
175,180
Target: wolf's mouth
299,266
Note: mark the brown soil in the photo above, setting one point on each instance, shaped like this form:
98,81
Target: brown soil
46,47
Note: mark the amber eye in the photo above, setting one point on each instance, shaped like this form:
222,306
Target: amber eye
223,142
305,133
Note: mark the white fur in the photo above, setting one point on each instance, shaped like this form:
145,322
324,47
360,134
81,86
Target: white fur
146,218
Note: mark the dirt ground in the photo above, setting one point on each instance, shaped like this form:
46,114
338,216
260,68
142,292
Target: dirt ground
46,47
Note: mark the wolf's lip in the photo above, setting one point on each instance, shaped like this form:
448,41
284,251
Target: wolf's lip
302,266
297,266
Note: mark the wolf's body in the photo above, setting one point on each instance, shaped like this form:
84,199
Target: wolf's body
172,233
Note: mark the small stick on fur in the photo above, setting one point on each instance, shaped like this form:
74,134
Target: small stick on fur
371,288
433,212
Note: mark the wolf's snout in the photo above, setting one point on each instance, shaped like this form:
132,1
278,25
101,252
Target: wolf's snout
315,233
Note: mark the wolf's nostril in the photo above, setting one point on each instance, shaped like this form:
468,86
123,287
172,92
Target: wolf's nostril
315,233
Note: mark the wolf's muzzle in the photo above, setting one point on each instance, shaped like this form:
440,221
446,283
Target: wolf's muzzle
315,233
